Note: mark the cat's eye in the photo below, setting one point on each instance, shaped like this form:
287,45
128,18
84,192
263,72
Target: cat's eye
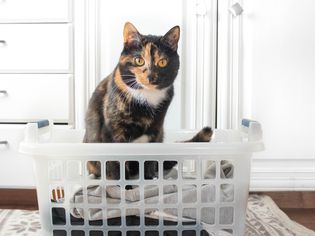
139,61
162,63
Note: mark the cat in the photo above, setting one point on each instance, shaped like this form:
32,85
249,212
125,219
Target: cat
130,104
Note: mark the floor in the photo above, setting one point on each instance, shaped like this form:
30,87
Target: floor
299,206
263,218
305,217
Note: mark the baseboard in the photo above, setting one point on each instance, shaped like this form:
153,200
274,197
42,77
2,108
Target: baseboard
283,174
18,199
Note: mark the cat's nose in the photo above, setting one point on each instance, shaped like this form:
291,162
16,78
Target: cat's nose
152,77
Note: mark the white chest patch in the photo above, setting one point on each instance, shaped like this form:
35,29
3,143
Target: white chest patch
151,96
142,139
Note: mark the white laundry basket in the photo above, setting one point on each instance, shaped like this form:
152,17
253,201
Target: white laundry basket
204,194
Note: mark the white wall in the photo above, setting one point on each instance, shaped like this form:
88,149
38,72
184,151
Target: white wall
279,70
156,18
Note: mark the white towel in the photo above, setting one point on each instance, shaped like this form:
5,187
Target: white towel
151,196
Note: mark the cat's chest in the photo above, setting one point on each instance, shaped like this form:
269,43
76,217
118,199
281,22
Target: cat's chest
130,113
150,97
138,115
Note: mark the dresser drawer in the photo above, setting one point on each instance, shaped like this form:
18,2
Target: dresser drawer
15,170
35,48
35,11
31,97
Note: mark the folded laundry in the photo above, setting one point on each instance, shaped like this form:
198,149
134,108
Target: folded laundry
151,195
130,220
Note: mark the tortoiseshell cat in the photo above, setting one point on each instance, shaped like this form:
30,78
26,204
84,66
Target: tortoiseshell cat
131,103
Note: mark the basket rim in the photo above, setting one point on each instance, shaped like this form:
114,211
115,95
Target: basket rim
139,149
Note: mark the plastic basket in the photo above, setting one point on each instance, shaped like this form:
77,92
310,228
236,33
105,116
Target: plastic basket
204,194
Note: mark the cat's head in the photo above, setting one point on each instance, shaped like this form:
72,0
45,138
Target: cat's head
147,61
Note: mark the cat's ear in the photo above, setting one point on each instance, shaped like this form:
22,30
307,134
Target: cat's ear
131,34
171,37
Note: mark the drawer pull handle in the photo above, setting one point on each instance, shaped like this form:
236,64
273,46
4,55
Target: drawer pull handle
4,92
4,142
3,43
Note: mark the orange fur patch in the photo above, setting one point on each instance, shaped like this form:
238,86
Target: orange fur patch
143,79
147,54
119,82
125,59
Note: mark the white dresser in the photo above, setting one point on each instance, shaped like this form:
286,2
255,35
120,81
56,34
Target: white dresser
36,76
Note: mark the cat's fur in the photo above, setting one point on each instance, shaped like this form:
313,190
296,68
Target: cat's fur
131,103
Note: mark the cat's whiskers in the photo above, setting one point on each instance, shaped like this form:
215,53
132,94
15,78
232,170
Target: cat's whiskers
128,76
122,95
133,84
132,97
129,79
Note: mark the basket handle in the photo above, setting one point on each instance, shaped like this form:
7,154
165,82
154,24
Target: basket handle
42,123
34,130
253,129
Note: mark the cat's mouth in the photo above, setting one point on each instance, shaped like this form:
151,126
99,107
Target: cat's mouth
145,83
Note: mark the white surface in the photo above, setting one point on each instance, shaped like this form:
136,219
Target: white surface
229,90
34,10
279,55
282,92
198,60
81,61
34,97
35,48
